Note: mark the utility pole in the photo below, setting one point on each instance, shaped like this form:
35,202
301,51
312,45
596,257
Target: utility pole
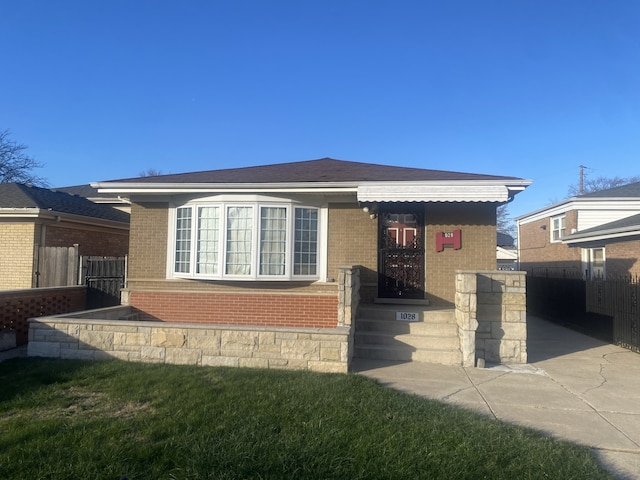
581,191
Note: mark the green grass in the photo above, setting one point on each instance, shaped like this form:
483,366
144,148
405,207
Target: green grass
108,420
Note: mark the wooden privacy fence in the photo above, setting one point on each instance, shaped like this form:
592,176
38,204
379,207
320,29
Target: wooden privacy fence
57,266
64,266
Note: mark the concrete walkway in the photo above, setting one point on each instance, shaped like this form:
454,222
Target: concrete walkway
575,388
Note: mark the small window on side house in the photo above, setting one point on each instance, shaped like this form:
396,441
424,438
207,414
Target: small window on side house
596,265
558,229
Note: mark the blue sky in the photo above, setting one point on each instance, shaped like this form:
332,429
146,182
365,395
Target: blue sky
106,89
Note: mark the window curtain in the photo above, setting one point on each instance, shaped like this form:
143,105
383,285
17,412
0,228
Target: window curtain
208,240
239,234
273,240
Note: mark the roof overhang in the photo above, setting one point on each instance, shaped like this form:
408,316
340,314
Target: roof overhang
460,191
39,215
128,188
449,191
631,204
602,237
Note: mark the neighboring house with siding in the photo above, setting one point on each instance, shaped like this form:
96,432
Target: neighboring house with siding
595,235
33,217
264,245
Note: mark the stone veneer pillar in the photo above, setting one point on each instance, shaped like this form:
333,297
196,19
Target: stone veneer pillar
348,294
491,316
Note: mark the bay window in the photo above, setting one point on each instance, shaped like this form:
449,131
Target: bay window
246,241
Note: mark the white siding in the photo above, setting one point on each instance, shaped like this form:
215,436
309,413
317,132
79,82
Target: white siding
594,218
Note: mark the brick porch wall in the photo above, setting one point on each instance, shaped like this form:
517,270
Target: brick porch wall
17,306
276,309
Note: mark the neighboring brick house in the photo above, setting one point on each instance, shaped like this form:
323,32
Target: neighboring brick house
595,235
33,217
264,245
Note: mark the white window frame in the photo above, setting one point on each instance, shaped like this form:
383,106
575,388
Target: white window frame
256,204
588,257
561,230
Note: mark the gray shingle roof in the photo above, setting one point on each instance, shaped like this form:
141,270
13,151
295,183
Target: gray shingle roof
624,191
16,195
322,170
504,239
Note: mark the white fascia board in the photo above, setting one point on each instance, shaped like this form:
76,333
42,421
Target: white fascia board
575,203
460,191
19,212
546,212
615,233
173,188
463,191
80,219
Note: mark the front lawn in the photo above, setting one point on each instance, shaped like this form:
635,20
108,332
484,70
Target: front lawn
108,420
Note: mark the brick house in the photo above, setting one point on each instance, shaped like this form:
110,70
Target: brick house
595,235
33,217
264,245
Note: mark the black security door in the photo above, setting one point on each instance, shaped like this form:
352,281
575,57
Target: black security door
401,252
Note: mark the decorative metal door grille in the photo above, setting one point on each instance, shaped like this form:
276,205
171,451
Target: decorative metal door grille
401,255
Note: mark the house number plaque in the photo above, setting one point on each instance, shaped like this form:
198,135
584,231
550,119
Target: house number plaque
449,239
407,316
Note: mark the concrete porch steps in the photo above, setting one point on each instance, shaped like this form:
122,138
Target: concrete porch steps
432,338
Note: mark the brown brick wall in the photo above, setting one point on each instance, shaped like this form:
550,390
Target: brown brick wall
477,223
313,311
16,255
538,254
92,241
353,240
148,240
623,259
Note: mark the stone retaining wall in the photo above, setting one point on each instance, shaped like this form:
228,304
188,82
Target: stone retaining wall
491,314
193,344
124,333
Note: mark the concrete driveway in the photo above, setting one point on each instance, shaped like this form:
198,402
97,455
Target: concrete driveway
575,388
